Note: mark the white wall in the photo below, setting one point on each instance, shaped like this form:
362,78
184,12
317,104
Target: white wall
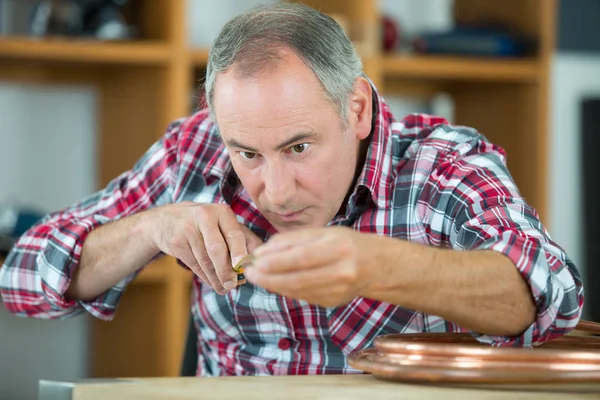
34,349
207,17
414,17
574,76
48,133
47,146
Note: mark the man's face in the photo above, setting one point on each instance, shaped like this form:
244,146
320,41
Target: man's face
286,141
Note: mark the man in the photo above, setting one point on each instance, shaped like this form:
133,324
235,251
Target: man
360,225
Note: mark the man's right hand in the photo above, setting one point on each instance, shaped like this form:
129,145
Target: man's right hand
205,237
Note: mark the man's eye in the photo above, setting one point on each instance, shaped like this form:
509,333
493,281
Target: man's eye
247,155
299,148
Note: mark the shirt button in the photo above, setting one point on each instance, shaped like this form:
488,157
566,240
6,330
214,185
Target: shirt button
285,344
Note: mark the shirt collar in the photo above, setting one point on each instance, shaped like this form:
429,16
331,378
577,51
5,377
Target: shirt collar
374,176
377,169
219,166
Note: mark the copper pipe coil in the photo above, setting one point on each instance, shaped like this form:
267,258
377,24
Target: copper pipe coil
460,358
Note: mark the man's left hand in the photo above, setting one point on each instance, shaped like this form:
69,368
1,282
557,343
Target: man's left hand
326,266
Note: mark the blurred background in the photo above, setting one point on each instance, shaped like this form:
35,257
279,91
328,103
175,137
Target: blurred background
87,85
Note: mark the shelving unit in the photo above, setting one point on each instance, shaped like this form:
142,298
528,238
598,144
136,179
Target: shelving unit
459,68
129,53
144,85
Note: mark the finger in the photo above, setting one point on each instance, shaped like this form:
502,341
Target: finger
298,282
298,258
204,262
188,259
252,241
286,240
218,253
234,236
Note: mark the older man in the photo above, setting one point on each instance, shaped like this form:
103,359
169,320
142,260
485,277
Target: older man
359,224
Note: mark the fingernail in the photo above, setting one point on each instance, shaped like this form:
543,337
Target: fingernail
236,260
229,285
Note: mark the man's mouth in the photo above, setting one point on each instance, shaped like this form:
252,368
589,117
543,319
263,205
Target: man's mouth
290,217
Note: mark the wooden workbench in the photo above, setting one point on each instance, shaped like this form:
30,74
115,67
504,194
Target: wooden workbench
348,387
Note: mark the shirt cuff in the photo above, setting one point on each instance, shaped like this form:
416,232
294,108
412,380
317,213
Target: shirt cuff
526,254
57,263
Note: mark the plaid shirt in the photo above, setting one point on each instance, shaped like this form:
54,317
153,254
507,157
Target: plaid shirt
424,180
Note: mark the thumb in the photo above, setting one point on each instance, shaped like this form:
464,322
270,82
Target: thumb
252,241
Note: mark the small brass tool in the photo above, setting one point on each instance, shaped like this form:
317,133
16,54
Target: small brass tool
241,266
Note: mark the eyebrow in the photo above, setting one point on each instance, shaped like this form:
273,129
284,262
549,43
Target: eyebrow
296,138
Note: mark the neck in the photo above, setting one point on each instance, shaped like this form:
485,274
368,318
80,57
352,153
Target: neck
363,148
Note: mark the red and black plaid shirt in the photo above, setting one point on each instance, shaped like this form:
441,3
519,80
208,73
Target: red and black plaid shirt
424,180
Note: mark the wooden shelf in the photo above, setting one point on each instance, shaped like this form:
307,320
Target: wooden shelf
439,67
460,68
199,57
161,271
84,51
144,53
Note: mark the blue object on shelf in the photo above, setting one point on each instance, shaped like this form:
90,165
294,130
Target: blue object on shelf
474,42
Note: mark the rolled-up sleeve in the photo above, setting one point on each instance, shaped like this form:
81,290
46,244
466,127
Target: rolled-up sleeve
38,270
483,209
510,227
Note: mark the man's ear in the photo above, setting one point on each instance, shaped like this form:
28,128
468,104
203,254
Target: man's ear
361,109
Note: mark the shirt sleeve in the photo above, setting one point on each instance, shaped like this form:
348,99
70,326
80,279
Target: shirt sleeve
483,209
39,267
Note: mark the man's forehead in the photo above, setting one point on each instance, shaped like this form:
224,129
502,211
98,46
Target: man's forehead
287,78
262,107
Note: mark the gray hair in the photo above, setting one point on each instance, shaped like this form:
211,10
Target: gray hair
253,41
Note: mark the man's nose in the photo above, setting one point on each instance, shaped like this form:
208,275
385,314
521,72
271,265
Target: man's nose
279,185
